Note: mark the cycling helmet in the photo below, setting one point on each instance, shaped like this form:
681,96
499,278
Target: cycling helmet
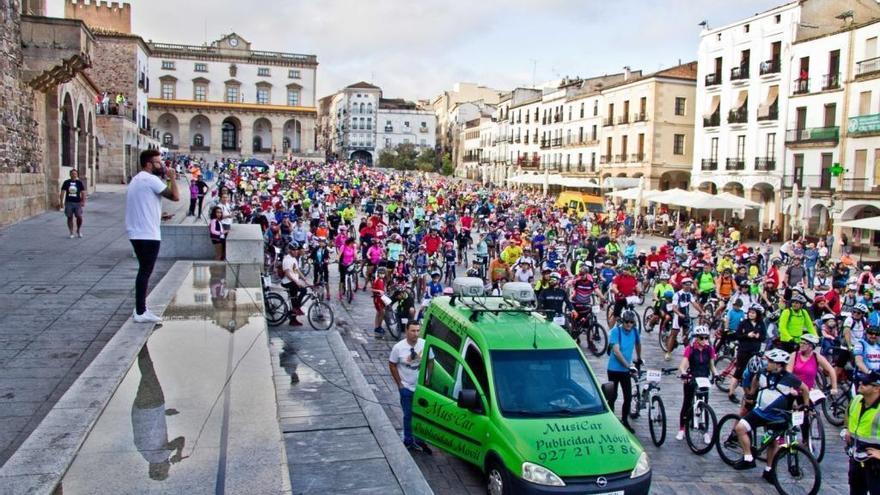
473,272
755,364
828,317
687,280
555,276
799,299
589,264
777,356
757,308
701,331
872,378
852,287
449,244
435,274
873,330
861,308
628,316
293,245
811,339
668,294
664,276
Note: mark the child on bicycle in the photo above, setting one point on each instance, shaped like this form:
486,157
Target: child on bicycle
698,361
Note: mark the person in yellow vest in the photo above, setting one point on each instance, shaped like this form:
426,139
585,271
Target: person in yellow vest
863,436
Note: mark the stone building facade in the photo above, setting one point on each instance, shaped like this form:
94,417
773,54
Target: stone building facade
227,99
47,121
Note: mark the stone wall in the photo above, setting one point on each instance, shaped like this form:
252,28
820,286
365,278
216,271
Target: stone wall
111,16
117,157
21,196
20,143
114,65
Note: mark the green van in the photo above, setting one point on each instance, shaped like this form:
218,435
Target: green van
513,394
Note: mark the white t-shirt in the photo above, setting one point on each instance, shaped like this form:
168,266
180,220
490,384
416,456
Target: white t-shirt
407,365
289,264
143,207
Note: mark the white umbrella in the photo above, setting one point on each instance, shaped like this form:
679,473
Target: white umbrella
578,182
872,223
805,214
632,193
640,195
546,180
746,203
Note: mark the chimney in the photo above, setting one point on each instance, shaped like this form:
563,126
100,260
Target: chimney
626,74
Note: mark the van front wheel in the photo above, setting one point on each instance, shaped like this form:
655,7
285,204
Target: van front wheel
497,479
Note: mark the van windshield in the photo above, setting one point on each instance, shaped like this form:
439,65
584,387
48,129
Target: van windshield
544,383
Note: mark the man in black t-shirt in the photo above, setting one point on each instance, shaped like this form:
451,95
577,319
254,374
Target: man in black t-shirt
73,198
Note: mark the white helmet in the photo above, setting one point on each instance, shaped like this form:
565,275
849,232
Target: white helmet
812,339
777,356
701,331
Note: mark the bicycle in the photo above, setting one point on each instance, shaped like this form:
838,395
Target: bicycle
274,305
583,326
681,338
646,383
351,280
631,303
725,360
792,463
394,321
835,406
701,424
320,315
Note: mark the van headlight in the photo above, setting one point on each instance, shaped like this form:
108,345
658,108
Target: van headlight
642,466
540,475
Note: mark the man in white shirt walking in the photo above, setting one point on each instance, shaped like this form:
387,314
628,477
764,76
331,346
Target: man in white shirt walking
404,361
143,214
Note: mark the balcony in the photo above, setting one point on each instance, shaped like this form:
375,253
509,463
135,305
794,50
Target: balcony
620,158
423,130
557,142
813,135
54,50
608,122
639,117
709,164
831,81
773,114
867,67
713,79
864,125
517,140
738,116
545,143
637,158
739,73
819,182
765,163
623,119
735,164
712,121
772,66
603,159
801,86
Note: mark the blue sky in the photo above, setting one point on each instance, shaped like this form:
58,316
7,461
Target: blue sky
416,49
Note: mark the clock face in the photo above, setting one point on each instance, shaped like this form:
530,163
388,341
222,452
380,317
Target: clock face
233,42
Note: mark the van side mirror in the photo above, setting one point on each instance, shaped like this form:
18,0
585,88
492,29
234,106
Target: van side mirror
469,399
609,392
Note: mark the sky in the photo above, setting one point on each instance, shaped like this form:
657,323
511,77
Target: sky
416,49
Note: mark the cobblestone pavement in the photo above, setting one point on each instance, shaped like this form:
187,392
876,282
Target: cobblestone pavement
675,469
61,300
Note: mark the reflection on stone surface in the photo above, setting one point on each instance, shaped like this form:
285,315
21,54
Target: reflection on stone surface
197,412
148,422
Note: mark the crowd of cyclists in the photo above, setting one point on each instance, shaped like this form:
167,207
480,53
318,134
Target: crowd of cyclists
788,324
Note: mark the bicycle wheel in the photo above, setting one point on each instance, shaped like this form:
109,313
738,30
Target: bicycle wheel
597,339
700,431
320,315
276,309
663,335
796,471
834,407
647,315
392,322
728,444
350,286
816,442
657,420
722,379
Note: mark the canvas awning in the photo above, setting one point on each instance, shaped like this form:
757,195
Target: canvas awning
620,182
772,96
740,99
872,223
713,106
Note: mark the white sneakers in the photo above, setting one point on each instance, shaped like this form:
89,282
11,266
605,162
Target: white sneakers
680,435
147,317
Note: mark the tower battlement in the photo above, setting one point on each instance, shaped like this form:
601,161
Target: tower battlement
106,15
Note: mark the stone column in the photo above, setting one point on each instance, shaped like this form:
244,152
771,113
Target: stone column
216,135
277,137
246,136
307,137
183,138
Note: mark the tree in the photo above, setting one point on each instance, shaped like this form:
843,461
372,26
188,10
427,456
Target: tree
388,158
447,167
427,160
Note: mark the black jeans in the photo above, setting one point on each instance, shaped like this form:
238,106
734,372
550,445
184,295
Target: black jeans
146,251
622,379
201,199
192,206
864,478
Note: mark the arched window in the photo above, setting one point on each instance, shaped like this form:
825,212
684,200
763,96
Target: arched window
369,108
258,143
362,108
285,144
167,139
198,140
